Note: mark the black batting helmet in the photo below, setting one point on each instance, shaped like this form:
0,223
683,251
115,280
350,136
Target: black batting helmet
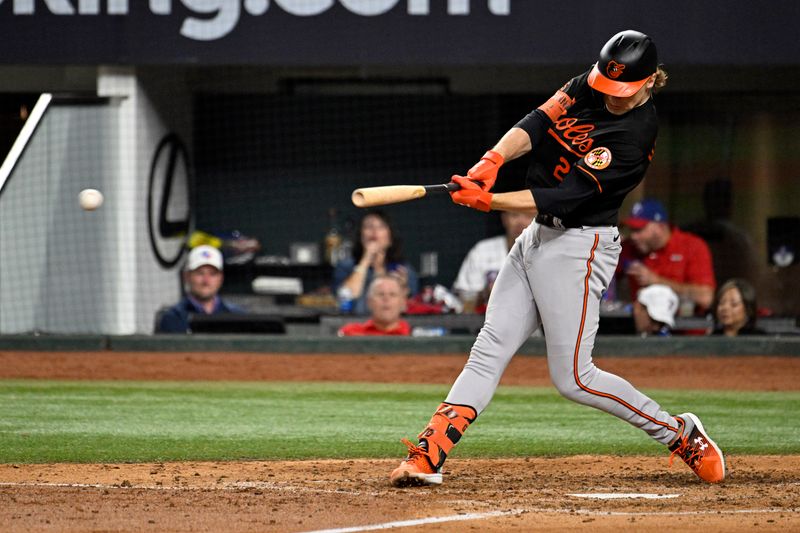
626,61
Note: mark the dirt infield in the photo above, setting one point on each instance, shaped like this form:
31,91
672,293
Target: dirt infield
312,495
767,373
600,493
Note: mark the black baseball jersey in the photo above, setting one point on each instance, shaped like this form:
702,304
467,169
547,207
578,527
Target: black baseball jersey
585,163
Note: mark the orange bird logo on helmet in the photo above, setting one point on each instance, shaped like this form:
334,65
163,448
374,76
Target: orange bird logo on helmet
614,69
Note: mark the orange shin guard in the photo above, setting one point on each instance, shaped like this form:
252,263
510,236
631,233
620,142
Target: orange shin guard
445,429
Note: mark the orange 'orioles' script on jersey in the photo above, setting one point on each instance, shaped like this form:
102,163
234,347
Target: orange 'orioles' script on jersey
588,159
573,134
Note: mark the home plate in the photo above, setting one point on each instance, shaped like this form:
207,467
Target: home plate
623,495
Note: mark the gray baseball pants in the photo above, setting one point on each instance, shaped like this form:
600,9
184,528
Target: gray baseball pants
555,278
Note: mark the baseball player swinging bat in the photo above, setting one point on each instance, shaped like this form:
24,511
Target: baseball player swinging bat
395,194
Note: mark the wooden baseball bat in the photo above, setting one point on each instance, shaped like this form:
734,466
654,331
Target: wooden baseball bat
395,194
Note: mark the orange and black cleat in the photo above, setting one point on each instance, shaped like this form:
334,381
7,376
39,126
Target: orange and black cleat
697,450
423,466
416,469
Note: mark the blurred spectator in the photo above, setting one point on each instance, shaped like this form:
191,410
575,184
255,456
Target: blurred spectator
657,253
386,299
434,300
238,249
377,250
732,249
202,278
480,267
735,309
654,311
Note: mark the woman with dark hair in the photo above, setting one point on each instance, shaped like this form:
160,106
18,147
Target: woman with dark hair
377,250
735,309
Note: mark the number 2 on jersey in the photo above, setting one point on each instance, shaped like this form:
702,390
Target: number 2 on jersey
561,170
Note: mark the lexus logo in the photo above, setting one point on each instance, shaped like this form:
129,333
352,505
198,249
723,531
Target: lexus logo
169,201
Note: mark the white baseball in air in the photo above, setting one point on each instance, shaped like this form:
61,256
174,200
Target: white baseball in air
90,199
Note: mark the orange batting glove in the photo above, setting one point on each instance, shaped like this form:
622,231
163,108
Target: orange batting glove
485,170
471,194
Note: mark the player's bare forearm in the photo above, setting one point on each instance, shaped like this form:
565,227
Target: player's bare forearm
516,201
513,144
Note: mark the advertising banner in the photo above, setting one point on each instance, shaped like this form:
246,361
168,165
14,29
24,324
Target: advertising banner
390,32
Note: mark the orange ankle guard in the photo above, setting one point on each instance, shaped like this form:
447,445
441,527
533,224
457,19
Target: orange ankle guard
445,429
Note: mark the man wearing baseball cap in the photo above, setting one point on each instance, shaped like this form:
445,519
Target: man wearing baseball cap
202,278
657,253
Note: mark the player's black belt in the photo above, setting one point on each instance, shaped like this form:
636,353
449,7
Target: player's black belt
555,222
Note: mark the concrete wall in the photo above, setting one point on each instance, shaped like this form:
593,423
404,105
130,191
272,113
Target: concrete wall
65,270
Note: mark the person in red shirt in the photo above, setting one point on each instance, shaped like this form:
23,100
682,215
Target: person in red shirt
386,300
657,253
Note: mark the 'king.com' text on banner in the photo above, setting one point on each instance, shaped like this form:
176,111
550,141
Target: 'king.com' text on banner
394,32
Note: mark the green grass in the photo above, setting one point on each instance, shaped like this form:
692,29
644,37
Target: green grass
45,421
